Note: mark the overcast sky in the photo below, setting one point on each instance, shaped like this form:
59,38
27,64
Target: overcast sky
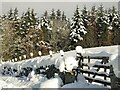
40,7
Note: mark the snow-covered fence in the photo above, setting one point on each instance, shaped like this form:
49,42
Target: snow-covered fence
24,57
91,71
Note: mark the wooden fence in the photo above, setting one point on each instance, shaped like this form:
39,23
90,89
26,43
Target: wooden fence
91,75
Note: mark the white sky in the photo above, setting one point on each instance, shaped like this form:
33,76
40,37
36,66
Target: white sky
65,5
60,0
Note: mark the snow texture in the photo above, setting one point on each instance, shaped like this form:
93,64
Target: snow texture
36,81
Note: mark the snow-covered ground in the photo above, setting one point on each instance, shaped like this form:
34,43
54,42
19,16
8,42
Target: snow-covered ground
39,81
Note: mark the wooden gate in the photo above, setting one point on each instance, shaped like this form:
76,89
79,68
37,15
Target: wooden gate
91,75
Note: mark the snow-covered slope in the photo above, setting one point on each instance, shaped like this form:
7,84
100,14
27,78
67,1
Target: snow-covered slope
111,51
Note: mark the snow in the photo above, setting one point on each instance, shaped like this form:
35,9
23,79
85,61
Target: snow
52,83
110,27
61,52
37,81
79,49
70,63
83,84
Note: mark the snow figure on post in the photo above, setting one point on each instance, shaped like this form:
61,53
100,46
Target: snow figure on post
67,70
79,57
51,53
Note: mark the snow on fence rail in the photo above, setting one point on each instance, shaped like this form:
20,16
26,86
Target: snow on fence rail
91,75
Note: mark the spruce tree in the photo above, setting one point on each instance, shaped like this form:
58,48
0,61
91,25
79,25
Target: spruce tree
102,24
58,14
63,16
114,24
53,15
84,16
77,28
46,14
7,38
46,28
10,14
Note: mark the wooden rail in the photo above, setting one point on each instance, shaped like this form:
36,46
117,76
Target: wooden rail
91,75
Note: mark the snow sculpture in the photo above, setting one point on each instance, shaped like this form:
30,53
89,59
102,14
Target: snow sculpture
51,53
79,49
70,63
61,52
79,56
68,70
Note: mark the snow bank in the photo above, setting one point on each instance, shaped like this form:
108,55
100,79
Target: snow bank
52,83
3,84
58,60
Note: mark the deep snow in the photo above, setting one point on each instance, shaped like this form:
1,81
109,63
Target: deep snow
41,81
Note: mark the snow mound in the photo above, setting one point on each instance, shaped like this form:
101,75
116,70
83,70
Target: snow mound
71,63
75,85
52,83
94,86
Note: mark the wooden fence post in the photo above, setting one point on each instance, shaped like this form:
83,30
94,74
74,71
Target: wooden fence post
79,57
88,66
112,77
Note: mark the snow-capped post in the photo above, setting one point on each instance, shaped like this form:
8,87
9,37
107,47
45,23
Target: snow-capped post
40,53
24,56
31,54
62,53
12,60
79,57
51,53
16,59
20,57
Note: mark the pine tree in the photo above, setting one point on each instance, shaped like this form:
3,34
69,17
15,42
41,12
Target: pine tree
60,31
46,27
84,16
10,14
89,18
52,15
30,32
102,24
46,14
14,49
114,24
58,14
93,11
77,28
63,16
7,39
